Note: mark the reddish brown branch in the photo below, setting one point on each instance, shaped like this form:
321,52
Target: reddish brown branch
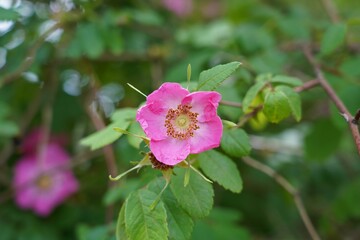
334,97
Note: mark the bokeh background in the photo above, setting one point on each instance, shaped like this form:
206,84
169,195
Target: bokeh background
64,66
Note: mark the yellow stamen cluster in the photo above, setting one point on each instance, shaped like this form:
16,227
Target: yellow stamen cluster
181,122
44,182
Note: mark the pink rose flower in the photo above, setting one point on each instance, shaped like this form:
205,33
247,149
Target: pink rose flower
179,123
181,8
43,186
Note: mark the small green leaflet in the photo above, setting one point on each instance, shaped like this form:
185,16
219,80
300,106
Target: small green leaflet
235,142
280,102
210,79
333,37
121,118
141,222
179,222
252,93
221,169
292,81
197,197
293,100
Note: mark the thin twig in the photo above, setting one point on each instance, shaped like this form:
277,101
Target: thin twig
231,104
331,10
334,97
290,189
307,85
30,57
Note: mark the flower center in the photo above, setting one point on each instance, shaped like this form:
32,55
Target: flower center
44,182
181,122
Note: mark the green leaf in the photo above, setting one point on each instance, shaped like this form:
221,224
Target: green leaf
179,222
210,79
276,106
134,141
8,129
221,169
235,142
141,222
197,197
124,114
8,14
293,100
120,225
104,137
4,110
292,81
252,93
333,38
121,118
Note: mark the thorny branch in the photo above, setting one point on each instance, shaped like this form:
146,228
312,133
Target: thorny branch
285,184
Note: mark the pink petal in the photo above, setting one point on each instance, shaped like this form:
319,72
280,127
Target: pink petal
25,171
55,156
68,180
170,151
153,124
169,95
181,8
208,136
25,197
44,204
204,103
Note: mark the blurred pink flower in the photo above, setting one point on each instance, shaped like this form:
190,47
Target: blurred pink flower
179,122
31,141
179,7
42,185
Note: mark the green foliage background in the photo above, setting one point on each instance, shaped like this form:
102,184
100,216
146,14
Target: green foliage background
106,44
